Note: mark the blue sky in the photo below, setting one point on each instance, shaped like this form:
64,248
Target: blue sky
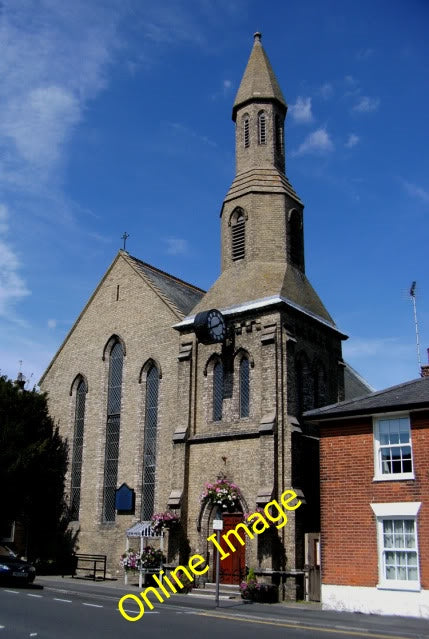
116,115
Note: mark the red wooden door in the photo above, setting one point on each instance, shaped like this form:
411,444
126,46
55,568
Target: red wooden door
232,568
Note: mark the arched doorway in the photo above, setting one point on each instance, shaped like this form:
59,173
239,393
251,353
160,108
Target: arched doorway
232,569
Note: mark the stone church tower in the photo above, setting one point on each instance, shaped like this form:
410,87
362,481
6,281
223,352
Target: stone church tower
282,346
155,392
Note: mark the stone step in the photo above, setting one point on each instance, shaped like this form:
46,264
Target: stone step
224,588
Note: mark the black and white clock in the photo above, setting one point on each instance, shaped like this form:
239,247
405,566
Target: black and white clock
210,326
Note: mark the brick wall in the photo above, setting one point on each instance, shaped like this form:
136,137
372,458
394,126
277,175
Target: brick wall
348,524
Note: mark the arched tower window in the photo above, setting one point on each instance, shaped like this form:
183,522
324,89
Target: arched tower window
279,142
76,465
279,135
246,131
238,234
217,391
262,133
114,392
244,387
149,448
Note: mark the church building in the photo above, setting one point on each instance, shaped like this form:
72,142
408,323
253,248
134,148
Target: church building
165,388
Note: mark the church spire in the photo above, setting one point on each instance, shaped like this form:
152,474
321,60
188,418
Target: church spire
259,81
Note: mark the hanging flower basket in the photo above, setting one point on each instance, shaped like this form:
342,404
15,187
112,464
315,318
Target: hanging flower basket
221,493
164,521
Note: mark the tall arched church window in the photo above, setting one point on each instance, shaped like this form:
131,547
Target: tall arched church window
244,387
217,391
262,132
149,448
76,465
112,431
246,131
238,234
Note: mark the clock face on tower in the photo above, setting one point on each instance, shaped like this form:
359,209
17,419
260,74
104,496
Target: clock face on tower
216,325
210,326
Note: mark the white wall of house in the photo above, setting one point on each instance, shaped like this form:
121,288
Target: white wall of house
376,600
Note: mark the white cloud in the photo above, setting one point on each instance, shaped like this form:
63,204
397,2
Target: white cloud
416,191
352,140
176,246
53,61
39,121
326,90
317,142
52,323
227,84
12,285
301,110
366,105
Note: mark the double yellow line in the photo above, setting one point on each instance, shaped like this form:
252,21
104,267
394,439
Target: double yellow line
283,624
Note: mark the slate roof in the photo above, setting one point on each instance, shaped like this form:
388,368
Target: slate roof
354,384
258,280
181,294
406,396
259,80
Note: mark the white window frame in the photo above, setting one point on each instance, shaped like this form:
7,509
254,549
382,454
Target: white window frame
396,510
378,474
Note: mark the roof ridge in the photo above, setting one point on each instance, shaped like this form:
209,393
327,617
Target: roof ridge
169,275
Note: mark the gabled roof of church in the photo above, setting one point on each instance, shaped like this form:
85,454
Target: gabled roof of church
259,80
181,294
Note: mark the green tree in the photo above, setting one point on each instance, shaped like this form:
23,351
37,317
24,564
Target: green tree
33,463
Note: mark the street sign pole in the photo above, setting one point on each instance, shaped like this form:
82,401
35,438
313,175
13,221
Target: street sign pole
218,526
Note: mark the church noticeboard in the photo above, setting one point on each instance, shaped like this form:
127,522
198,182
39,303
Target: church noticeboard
125,500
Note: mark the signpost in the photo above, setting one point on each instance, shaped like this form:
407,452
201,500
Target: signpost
218,526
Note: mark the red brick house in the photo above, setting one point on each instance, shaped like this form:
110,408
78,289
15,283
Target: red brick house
374,482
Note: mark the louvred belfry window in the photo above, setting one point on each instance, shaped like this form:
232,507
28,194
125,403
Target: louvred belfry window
149,448
246,132
238,230
76,466
112,431
262,136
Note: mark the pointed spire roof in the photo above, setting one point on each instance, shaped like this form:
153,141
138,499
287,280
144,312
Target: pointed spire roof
259,80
